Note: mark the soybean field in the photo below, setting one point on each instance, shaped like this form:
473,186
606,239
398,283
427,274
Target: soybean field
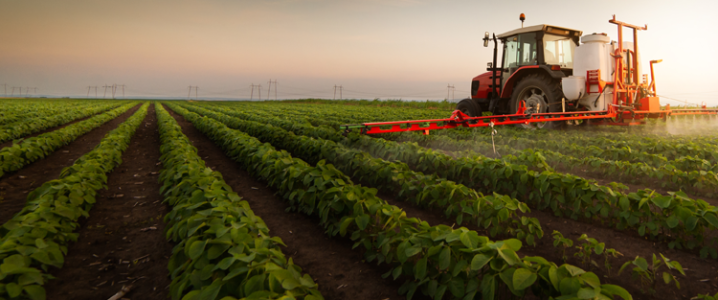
271,200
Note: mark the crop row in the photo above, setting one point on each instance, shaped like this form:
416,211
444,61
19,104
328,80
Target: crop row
502,214
36,238
26,112
20,129
607,151
695,181
222,248
435,260
15,157
680,221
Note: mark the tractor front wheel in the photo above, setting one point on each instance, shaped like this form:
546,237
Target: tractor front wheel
469,107
540,94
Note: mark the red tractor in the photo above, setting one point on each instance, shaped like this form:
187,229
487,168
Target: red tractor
534,61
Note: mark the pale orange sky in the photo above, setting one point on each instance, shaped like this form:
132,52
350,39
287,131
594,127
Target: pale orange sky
407,49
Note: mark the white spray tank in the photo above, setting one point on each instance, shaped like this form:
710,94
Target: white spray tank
593,54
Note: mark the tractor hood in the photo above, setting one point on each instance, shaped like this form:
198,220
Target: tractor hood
545,28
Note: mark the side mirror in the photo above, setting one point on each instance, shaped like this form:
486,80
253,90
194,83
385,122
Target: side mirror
486,39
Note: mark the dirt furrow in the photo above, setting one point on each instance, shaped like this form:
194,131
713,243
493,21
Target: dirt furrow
122,242
15,187
339,270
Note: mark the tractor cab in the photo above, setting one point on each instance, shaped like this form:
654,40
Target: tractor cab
539,45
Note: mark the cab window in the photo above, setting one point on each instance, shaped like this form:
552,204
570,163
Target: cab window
558,50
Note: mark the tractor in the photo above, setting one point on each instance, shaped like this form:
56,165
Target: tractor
552,76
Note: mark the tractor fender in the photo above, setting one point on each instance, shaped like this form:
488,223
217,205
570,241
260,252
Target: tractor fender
521,72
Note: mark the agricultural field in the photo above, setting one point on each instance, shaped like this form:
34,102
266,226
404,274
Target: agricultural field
270,200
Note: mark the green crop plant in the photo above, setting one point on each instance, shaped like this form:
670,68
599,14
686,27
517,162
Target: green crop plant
648,274
705,297
588,247
607,254
564,243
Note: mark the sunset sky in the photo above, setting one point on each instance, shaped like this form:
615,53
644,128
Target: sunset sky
410,49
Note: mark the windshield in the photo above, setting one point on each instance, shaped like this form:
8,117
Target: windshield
558,50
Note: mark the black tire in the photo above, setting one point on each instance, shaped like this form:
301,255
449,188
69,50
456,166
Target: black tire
538,89
469,107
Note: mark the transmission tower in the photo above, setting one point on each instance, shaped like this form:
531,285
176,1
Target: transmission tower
450,89
335,92
270,89
189,93
104,95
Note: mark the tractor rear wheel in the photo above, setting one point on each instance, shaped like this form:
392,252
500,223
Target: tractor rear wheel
469,107
541,94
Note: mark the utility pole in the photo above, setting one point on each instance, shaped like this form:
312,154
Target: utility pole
13,92
27,90
104,95
189,93
259,89
275,89
449,89
251,96
270,89
88,92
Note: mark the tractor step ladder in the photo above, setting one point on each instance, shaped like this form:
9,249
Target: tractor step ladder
594,77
